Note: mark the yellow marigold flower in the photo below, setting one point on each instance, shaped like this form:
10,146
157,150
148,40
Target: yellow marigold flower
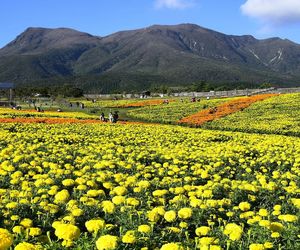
118,200
268,245
93,193
159,193
144,184
277,207
6,239
275,235
129,237
183,224
185,213
153,216
171,246
108,207
234,231
72,205
108,185
34,231
132,201
263,212
95,225
170,216
256,247
276,212
230,214
27,246
144,229
120,190
296,202
15,217
82,187
107,242
202,231
207,241
18,229
264,223
160,210
276,227
67,232
77,212
61,197
244,206
68,182
288,217
26,223
69,219
11,205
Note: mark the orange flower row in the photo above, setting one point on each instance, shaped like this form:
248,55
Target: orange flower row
224,109
144,103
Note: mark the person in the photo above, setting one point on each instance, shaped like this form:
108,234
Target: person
115,117
102,117
110,117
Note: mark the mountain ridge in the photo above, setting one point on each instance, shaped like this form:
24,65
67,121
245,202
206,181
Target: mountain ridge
172,55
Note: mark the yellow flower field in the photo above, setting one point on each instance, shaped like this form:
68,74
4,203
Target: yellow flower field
111,186
10,113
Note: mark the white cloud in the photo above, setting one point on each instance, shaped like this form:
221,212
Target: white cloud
273,12
173,4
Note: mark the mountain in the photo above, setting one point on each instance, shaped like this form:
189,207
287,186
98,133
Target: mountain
174,55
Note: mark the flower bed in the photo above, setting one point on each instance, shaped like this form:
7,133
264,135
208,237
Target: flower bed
222,110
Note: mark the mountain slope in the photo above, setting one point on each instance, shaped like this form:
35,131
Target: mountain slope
128,60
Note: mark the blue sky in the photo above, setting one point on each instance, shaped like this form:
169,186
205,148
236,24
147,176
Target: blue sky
260,18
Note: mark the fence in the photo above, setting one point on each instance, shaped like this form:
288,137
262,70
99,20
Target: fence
212,94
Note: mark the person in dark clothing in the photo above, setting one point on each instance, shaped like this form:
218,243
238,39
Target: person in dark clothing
102,117
115,117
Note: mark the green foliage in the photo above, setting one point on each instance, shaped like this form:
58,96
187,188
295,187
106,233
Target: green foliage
54,91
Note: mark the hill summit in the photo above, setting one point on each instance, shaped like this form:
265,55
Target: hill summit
169,55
